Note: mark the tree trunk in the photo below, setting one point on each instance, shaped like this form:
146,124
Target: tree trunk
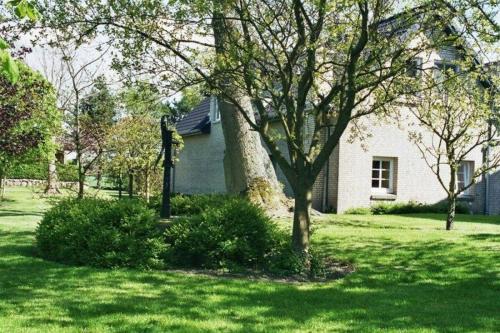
52,179
81,184
302,219
450,218
120,186
130,185
452,197
246,162
2,184
146,186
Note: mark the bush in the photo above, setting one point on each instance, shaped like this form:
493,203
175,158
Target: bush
234,235
39,170
185,205
411,207
101,233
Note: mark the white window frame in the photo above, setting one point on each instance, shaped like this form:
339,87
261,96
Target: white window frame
383,190
468,171
215,111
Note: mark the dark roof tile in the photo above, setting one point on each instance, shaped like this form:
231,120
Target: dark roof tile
196,121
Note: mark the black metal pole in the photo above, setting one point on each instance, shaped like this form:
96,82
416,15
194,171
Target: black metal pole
166,135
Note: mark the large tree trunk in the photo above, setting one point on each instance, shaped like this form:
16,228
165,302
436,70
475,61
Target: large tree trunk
52,179
247,165
120,186
302,219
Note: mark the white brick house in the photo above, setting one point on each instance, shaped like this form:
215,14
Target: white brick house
383,167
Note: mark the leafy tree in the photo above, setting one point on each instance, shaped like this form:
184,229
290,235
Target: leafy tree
317,63
22,9
98,112
458,113
134,143
29,118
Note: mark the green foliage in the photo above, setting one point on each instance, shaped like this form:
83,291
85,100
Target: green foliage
101,233
38,170
411,207
8,66
231,233
185,205
234,234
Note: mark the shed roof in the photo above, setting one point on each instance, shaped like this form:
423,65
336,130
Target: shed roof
196,121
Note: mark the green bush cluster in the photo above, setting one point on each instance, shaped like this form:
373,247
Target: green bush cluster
39,170
185,205
234,235
101,233
411,207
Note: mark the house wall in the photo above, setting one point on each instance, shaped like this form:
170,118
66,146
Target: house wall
413,179
200,168
494,195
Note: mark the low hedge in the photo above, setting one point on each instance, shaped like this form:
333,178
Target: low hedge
411,207
101,233
39,170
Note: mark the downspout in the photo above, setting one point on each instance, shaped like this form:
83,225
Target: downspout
327,178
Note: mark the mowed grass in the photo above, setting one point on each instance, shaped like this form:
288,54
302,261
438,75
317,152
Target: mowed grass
412,276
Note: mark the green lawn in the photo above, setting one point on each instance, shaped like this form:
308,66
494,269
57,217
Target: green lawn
412,276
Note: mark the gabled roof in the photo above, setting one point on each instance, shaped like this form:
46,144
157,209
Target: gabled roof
196,121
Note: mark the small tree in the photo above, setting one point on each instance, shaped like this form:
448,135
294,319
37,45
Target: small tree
134,144
28,119
458,113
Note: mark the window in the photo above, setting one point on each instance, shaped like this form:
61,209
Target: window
414,68
464,175
442,70
382,175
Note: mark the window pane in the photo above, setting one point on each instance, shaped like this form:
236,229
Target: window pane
376,174
376,165
385,174
375,183
386,165
385,183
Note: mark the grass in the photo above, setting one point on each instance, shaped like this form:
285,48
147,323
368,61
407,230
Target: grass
412,276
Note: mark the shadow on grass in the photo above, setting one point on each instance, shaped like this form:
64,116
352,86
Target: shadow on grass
14,212
398,286
460,218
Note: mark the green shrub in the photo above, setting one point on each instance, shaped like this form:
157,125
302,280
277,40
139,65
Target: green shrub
234,235
39,170
101,233
185,205
359,211
410,207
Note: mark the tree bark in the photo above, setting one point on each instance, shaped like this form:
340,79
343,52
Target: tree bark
130,185
146,185
52,179
452,198
2,184
302,219
120,186
246,162
450,218
81,184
